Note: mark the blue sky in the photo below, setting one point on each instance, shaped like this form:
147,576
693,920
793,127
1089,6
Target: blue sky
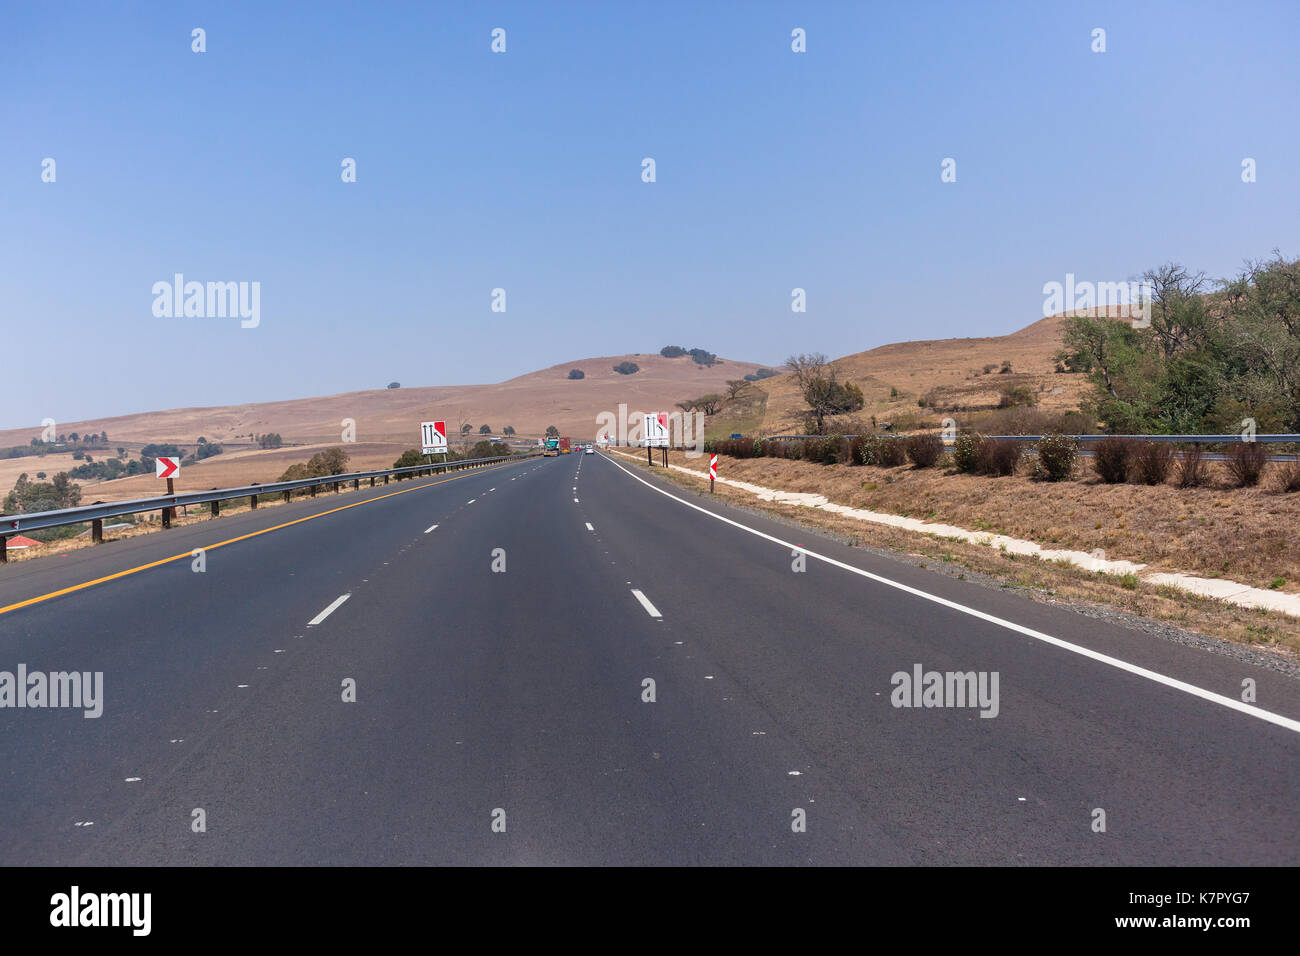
522,171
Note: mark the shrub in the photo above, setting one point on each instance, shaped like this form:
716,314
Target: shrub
1056,456
1288,479
627,368
672,351
998,457
1014,396
828,451
867,449
924,450
891,452
1245,463
1191,469
703,357
855,449
577,373
1152,460
1110,459
966,452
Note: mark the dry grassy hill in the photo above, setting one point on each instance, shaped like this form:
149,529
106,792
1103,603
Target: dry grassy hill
949,373
529,403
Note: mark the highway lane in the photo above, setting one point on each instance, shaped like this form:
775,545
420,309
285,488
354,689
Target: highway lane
1173,772
174,645
521,690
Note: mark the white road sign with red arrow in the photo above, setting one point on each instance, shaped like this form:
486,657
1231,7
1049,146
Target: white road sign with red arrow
167,467
433,438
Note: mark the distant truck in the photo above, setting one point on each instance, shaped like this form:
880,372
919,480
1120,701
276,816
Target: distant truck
552,448
565,447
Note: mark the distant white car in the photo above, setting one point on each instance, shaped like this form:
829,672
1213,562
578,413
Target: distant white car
590,450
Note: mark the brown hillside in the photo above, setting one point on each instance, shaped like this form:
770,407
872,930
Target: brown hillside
947,371
529,403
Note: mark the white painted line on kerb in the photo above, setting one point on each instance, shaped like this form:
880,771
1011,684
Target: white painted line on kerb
589,527
432,527
1229,702
645,603
329,610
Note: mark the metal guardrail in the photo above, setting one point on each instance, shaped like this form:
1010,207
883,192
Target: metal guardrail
1180,439
37,520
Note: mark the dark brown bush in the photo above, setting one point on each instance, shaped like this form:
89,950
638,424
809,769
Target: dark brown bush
890,453
1191,468
1111,459
1288,478
924,450
1151,461
1245,463
998,456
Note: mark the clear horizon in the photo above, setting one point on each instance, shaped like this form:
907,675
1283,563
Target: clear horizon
522,171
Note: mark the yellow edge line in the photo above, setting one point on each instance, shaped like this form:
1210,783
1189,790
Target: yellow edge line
243,537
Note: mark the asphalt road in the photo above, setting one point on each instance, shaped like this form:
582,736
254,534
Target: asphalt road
515,699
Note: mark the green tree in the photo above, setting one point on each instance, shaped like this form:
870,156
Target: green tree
552,431
822,391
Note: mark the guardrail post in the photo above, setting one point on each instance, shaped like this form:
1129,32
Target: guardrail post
313,491
252,502
167,517
97,531
216,509
4,553
385,479
287,496
372,481
356,483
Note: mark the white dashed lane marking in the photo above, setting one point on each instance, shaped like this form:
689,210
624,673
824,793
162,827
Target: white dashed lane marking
645,603
431,527
330,610
589,527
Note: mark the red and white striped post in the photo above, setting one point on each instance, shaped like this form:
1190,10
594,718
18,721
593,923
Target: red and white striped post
713,471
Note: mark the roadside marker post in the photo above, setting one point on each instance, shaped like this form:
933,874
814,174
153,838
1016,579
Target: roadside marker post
713,471
166,468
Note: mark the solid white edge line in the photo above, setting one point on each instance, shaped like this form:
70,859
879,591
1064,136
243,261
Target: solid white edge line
329,610
645,603
1229,702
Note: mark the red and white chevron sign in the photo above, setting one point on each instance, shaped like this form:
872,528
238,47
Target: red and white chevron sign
713,467
167,467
